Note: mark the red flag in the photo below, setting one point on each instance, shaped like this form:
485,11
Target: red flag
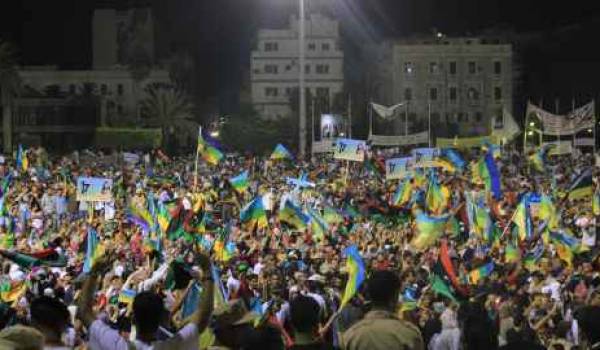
447,264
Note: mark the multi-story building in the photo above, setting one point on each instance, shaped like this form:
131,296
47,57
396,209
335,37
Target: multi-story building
274,65
462,83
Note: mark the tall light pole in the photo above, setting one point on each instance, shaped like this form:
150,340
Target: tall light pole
302,109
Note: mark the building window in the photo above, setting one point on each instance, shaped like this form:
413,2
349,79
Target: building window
466,117
71,89
103,89
478,117
497,93
459,117
497,67
453,94
472,67
307,69
473,94
271,92
435,118
288,67
120,89
408,94
433,68
498,119
271,68
322,92
453,67
433,94
288,91
270,46
409,68
120,109
312,47
325,46
322,68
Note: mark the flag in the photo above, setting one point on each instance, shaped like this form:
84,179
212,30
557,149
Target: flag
436,199
140,217
596,204
522,219
93,250
453,157
209,153
163,218
581,187
292,215
332,216
280,152
12,293
220,294
446,263
318,225
530,260
480,272
240,182
540,157
486,172
126,296
440,287
402,195
22,161
356,273
429,229
565,239
190,301
223,247
253,214
511,254
547,212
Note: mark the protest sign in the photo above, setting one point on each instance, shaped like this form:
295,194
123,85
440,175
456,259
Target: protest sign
94,189
348,149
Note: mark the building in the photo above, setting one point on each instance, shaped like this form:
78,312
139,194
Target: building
462,83
122,38
274,66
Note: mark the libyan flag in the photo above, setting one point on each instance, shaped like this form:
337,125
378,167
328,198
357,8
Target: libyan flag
47,257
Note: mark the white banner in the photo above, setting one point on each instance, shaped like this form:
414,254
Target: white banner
326,146
584,141
348,149
385,112
397,168
399,140
553,124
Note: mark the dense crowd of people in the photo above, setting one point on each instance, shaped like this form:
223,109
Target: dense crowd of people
89,275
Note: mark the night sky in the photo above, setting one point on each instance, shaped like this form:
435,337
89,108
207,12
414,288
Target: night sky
558,40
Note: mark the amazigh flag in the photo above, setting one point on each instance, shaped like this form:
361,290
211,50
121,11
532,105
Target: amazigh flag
356,273
253,214
140,217
209,153
220,294
547,212
240,182
481,272
512,254
540,157
12,293
522,219
332,216
530,260
453,157
126,296
486,171
566,239
436,199
292,215
596,204
280,152
22,161
429,229
318,225
581,186
93,250
163,218
190,301
403,194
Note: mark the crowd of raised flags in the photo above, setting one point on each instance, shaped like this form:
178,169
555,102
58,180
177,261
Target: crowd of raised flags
467,207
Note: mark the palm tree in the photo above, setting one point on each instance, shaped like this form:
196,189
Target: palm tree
167,107
10,83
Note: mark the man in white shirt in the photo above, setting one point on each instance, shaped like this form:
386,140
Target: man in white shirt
148,313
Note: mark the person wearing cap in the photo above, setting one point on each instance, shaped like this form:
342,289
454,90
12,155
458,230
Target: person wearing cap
381,328
148,314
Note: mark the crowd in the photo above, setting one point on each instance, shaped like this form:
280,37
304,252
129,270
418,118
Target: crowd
172,261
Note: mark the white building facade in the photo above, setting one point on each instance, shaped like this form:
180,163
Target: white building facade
274,65
464,84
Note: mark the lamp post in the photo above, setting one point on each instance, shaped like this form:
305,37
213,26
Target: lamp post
302,109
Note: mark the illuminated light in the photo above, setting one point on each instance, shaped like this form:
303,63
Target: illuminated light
342,134
214,133
532,124
590,131
530,133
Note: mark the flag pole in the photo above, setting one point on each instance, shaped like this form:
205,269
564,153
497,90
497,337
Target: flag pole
556,112
197,156
349,115
429,123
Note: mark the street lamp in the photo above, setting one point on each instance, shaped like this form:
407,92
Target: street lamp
532,124
214,133
302,109
530,133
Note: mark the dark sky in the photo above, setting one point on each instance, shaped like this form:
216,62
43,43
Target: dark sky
562,60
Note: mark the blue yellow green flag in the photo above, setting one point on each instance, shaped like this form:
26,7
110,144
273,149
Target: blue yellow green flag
356,273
